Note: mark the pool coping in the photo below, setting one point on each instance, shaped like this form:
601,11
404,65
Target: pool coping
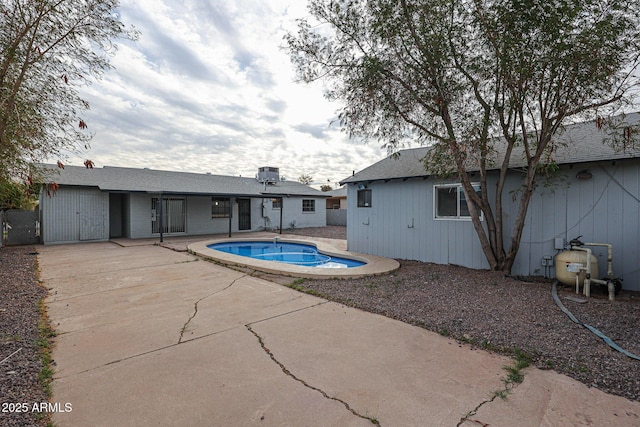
375,265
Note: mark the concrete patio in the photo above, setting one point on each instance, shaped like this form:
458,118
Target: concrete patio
152,336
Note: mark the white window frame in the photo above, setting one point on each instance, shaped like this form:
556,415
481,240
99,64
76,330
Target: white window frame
275,202
460,191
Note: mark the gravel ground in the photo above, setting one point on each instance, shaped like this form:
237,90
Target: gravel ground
330,232
481,308
19,353
498,313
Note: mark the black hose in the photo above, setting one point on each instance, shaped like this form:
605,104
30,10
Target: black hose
609,341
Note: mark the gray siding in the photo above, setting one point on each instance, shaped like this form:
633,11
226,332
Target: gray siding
400,224
77,213
139,216
604,209
74,215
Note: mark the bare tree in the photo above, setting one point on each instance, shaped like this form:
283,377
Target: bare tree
306,179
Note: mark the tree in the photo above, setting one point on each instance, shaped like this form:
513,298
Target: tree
16,195
477,80
48,49
306,179
326,187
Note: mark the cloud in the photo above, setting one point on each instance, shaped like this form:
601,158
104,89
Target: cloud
276,105
207,88
221,19
318,131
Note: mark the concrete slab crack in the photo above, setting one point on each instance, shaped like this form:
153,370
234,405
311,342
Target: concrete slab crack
509,385
195,306
146,353
474,411
303,382
275,316
515,376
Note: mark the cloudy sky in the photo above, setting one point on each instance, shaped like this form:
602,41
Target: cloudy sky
208,87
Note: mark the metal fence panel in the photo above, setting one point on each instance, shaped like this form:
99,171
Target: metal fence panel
20,227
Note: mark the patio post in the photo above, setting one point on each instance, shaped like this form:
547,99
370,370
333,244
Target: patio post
281,209
161,220
230,210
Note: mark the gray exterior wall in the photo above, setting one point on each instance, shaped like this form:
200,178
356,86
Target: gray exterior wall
198,219
75,215
337,216
400,224
293,213
139,216
604,209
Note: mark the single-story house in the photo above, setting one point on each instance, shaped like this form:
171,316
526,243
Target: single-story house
397,209
110,202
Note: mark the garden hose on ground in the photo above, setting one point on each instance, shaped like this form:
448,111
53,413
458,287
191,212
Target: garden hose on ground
554,294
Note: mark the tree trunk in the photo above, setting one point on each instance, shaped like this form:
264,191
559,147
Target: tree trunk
528,188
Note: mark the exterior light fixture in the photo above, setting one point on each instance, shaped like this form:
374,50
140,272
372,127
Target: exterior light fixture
584,174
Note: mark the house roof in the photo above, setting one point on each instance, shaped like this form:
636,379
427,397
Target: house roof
117,179
338,192
578,143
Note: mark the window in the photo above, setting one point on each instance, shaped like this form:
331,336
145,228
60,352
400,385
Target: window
276,203
450,201
364,198
308,205
220,207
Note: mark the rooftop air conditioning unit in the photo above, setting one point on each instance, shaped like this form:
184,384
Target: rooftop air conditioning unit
268,174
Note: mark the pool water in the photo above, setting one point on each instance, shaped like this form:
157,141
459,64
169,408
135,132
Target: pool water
289,253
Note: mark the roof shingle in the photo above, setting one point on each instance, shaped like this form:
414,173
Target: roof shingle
111,178
579,143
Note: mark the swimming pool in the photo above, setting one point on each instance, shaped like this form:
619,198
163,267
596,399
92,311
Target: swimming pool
286,252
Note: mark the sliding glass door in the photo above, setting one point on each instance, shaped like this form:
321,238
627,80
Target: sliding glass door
174,215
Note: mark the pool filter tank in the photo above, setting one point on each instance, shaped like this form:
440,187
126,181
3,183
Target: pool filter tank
570,262
580,267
